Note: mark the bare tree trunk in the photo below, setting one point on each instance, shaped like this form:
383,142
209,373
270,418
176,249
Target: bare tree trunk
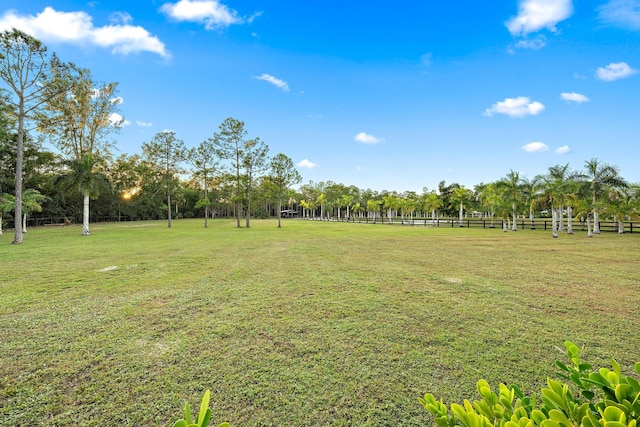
589,230
168,209
17,239
85,215
554,222
569,220
620,225
596,222
24,222
279,211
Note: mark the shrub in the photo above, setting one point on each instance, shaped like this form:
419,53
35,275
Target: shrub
204,415
586,397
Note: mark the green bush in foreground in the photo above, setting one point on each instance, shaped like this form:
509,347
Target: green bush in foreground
604,398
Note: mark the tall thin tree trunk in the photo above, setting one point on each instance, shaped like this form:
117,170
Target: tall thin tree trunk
248,213
85,215
569,220
620,225
532,219
554,222
24,222
206,208
279,211
589,230
514,226
17,238
168,209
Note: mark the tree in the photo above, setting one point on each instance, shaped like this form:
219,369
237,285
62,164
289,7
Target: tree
31,199
490,199
283,175
205,159
82,176
229,142
165,152
459,197
25,68
511,189
254,161
80,120
599,177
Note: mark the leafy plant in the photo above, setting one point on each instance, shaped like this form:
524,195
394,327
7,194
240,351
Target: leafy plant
204,415
604,398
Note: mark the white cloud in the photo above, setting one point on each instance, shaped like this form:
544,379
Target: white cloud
515,107
121,18
118,121
117,100
535,147
144,124
360,169
533,44
307,164
574,97
615,71
274,81
621,13
77,28
211,13
426,60
366,138
534,15
563,150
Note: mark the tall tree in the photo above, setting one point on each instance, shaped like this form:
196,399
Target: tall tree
26,69
166,152
254,162
459,197
204,159
84,177
229,141
283,175
511,189
79,122
599,177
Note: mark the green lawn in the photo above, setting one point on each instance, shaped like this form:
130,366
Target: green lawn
316,323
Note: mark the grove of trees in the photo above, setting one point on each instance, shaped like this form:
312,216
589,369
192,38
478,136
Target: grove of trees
229,174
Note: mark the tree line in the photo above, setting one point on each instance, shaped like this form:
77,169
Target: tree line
61,103
228,174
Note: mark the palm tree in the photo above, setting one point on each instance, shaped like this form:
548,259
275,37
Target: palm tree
432,203
598,178
373,206
30,203
459,197
346,200
511,189
490,199
83,177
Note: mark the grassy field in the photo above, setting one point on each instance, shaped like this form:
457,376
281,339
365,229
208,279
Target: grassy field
313,324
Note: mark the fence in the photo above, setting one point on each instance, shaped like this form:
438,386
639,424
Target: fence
537,224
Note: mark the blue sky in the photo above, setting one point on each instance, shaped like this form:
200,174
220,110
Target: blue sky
383,95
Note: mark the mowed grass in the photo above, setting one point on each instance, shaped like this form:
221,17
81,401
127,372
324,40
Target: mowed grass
316,323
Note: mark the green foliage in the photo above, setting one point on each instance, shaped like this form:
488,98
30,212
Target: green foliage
604,398
203,417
